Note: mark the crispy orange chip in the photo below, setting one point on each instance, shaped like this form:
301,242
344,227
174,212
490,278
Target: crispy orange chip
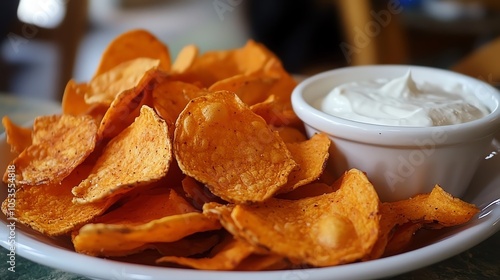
277,113
140,154
126,106
131,45
185,59
19,138
191,245
73,101
223,144
132,226
130,75
49,209
290,134
325,230
170,98
105,240
402,236
251,89
286,83
227,257
59,144
436,207
259,262
251,58
311,156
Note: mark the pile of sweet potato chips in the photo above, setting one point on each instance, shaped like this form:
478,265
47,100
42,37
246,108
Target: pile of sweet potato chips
203,161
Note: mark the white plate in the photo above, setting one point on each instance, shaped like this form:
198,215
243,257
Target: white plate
434,247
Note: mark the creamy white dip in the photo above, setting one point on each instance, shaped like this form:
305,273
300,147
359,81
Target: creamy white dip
402,102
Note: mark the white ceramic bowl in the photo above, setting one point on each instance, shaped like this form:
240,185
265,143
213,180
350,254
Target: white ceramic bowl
401,161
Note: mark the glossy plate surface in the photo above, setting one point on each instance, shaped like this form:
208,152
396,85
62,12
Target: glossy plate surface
431,247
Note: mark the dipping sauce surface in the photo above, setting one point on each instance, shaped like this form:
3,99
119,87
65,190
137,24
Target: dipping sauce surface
403,102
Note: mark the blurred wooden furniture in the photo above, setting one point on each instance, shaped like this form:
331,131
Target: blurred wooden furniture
373,33
65,39
483,63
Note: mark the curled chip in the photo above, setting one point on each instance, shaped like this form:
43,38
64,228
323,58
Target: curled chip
220,142
311,156
325,230
277,113
170,98
73,101
126,106
251,89
131,45
185,59
49,209
59,144
290,134
19,138
130,75
401,238
286,83
437,207
140,154
226,256
251,58
150,217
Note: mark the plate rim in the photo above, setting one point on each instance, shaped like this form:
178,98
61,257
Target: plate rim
467,236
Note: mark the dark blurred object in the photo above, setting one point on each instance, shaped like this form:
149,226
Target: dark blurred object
311,36
38,61
8,17
302,33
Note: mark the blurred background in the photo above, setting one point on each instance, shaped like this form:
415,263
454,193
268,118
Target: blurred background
44,43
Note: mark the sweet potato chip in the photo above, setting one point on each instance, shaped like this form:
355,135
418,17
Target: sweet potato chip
251,58
49,209
131,235
194,244
170,98
310,156
259,262
146,207
308,190
140,154
130,75
290,134
185,58
251,89
276,113
221,143
73,101
230,254
197,193
401,238
126,106
160,202
59,144
435,207
282,90
131,45
19,138
325,230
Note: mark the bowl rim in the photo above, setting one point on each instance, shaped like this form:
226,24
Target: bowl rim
339,127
